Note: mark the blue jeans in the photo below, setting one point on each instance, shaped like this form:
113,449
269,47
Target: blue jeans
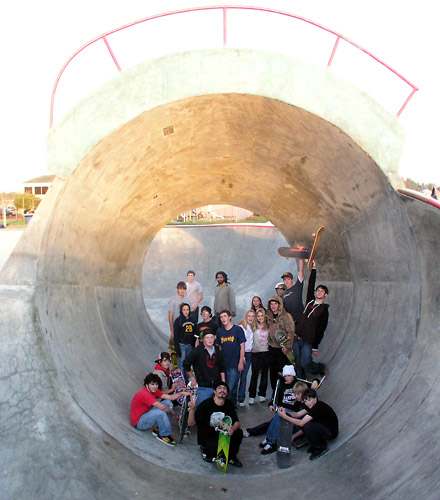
243,376
203,393
232,378
274,430
156,417
303,356
185,349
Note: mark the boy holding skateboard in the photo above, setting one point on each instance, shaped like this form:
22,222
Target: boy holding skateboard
311,324
207,415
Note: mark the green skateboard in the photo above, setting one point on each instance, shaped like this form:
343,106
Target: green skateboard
224,440
282,340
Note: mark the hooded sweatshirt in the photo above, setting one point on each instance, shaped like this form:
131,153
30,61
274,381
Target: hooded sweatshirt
313,320
164,375
282,322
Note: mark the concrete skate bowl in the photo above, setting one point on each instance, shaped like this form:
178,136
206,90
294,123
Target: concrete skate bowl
248,253
272,158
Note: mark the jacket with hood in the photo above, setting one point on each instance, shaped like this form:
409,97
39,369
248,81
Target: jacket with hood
164,375
283,322
313,320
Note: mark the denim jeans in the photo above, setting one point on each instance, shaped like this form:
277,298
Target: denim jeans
303,356
274,430
243,376
203,393
185,349
232,378
156,417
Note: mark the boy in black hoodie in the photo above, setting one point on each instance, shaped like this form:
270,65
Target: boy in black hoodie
185,327
311,325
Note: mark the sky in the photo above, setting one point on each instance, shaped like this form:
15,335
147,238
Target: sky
38,37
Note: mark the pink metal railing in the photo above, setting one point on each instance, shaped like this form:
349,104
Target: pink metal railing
224,9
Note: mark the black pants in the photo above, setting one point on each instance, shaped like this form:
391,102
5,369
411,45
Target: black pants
259,429
317,435
209,446
260,366
276,362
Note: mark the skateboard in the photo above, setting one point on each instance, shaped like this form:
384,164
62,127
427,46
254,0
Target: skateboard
184,411
179,382
172,351
303,252
224,440
314,383
284,444
282,340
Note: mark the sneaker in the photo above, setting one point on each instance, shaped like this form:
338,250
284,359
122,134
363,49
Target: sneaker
300,442
261,399
155,431
263,443
207,458
268,449
242,404
235,462
251,401
168,440
245,433
316,453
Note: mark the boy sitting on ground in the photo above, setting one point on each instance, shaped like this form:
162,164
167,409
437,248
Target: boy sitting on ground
162,368
317,421
289,397
150,407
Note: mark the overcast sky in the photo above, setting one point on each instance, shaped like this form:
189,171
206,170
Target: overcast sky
37,38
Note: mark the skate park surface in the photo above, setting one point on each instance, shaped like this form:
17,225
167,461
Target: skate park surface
77,337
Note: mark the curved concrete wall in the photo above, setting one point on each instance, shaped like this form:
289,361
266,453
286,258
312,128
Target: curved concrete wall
196,73
87,310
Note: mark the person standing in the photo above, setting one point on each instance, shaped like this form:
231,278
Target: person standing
185,327
194,293
174,309
281,334
231,340
208,321
205,366
260,358
224,299
280,288
256,303
248,325
311,324
292,298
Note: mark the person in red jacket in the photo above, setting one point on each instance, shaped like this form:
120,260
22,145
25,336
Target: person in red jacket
150,408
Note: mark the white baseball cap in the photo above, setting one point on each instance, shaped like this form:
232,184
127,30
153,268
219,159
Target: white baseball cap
289,370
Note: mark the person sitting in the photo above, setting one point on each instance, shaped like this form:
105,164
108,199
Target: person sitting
289,396
149,408
207,436
162,368
318,422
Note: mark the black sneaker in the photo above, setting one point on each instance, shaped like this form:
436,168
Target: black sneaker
317,453
268,448
235,462
262,444
300,443
207,458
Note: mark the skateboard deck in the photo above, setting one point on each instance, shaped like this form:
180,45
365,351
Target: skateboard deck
297,252
224,440
179,382
311,384
284,444
302,252
315,244
282,340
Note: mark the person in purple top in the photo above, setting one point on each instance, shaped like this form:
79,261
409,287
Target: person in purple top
231,340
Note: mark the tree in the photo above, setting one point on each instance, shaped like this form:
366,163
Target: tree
26,201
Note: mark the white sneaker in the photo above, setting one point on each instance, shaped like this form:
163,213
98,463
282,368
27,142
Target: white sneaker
251,401
261,399
245,433
242,404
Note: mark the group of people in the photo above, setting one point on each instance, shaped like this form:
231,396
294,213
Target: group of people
215,354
